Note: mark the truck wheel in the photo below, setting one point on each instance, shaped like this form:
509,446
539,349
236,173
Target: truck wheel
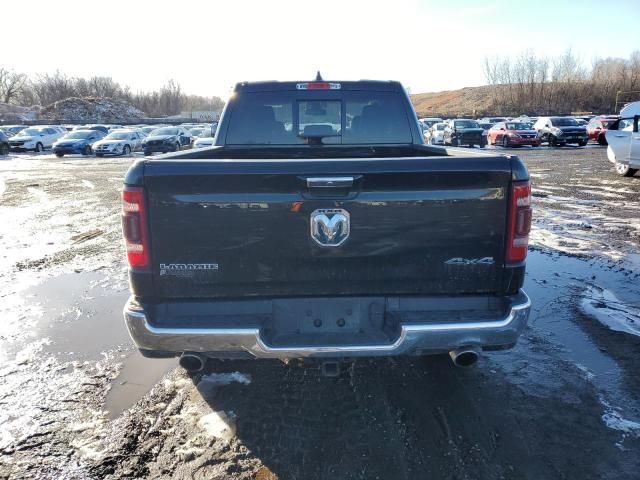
602,140
505,141
624,170
39,147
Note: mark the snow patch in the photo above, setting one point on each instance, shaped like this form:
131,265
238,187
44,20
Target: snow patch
88,184
221,379
605,307
615,421
219,425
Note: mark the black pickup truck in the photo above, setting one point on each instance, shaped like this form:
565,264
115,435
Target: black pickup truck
320,225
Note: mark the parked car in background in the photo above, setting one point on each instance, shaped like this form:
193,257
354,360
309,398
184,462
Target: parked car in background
623,137
581,121
463,132
77,141
200,132
11,130
119,142
4,143
102,128
203,141
430,121
558,131
513,134
493,120
435,134
597,128
148,129
35,138
486,126
167,139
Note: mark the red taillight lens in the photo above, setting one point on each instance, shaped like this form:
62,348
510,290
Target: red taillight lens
519,222
134,227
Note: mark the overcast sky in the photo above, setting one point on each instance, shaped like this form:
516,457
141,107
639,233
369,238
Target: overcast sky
209,45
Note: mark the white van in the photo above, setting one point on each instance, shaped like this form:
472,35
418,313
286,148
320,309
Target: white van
624,141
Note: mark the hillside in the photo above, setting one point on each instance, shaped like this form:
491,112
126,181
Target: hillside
467,101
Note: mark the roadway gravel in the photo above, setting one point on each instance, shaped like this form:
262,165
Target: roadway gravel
77,401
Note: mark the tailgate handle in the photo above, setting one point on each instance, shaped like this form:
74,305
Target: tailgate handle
330,182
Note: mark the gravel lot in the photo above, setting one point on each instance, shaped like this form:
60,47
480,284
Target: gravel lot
78,402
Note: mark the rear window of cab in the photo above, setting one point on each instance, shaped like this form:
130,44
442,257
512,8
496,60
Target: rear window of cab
291,118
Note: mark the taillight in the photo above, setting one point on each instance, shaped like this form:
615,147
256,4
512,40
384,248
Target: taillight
519,222
134,227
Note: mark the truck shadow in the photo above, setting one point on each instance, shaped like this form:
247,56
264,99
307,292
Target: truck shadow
409,418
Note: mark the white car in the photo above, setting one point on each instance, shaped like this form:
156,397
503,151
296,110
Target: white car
35,138
429,121
434,135
119,142
623,138
202,142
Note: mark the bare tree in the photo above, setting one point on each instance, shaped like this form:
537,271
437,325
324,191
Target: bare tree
11,84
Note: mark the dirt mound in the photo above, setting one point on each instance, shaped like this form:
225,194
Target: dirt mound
15,113
468,101
92,109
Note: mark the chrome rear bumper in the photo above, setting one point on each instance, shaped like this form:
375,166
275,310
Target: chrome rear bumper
414,338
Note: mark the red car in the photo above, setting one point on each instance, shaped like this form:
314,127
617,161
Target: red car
513,134
597,128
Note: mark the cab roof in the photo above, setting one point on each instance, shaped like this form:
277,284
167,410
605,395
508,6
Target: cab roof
272,86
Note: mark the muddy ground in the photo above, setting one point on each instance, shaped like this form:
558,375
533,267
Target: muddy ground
77,401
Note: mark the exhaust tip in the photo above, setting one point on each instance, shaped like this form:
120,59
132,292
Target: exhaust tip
464,357
192,362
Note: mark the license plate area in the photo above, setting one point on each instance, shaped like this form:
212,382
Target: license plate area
330,322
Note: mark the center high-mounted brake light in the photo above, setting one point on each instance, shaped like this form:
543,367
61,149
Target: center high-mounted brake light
519,222
318,86
134,227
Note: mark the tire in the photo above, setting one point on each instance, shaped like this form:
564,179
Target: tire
4,149
602,140
483,144
39,147
582,143
86,151
505,142
99,154
177,147
624,170
455,142
126,151
59,155
553,142
147,153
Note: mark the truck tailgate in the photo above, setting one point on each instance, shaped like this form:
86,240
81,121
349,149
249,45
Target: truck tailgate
239,228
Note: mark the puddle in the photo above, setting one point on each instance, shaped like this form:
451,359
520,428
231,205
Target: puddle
556,285
135,379
81,315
